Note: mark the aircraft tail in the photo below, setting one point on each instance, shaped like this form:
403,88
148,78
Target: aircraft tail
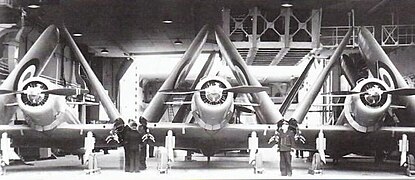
382,67
307,101
156,108
266,111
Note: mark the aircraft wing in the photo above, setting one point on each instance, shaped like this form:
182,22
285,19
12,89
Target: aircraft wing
341,140
193,137
65,136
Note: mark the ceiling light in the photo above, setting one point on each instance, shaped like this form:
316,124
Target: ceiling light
178,42
33,6
167,21
104,51
286,4
77,34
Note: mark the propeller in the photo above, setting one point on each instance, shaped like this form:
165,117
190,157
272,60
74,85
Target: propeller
236,89
396,92
342,93
59,91
66,91
244,109
246,89
5,92
401,91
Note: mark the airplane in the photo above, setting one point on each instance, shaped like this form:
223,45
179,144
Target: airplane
49,118
376,118
210,101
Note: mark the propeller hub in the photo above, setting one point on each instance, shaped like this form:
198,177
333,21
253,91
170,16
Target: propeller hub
32,93
214,92
373,96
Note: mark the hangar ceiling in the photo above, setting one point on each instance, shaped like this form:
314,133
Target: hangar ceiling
136,27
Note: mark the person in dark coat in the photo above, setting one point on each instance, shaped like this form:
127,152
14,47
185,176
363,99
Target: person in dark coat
286,143
285,137
132,140
142,129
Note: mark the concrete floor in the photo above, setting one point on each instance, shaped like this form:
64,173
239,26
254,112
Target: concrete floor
232,166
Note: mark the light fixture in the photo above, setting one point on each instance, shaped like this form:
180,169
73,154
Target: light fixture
286,3
33,6
178,42
167,21
104,51
77,34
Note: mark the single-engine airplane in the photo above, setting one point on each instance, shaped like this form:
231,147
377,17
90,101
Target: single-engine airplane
50,121
210,101
376,119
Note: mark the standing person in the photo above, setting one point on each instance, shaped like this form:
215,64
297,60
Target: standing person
285,139
126,148
145,137
132,140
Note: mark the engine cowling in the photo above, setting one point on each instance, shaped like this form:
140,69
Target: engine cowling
212,107
366,112
41,110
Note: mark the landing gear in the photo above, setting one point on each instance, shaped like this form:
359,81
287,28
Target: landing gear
188,156
410,165
315,165
208,159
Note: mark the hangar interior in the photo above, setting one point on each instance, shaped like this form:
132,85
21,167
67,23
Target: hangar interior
132,45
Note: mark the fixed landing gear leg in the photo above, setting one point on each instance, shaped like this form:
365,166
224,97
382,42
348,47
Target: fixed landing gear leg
410,166
315,165
188,156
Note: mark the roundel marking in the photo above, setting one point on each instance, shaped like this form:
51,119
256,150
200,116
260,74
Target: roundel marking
26,74
386,77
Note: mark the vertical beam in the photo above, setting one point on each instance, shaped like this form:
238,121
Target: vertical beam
254,37
226,17
315,27
287,15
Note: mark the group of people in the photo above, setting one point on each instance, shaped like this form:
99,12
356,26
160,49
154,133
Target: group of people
134,139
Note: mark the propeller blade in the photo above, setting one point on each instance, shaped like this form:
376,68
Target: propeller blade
342,93
177,92
243,109
5,92
402,92
246,89
66,91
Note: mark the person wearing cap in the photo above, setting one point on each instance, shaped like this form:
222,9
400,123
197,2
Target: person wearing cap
285,145
132,140
146,138
284,136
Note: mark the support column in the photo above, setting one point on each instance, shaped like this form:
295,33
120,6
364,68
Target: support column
287,14
254,37
226,17
315,27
